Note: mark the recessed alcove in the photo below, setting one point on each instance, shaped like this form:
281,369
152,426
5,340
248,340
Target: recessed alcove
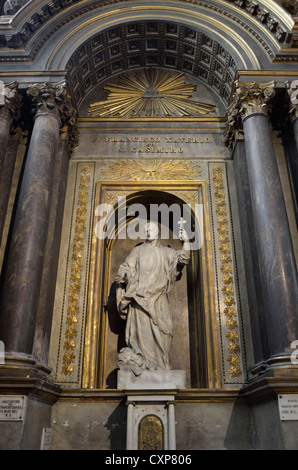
190,298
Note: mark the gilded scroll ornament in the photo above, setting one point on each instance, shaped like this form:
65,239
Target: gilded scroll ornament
150,93
150,170
226,269
74,291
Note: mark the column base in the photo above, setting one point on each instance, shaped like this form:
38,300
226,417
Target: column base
27,394
279,365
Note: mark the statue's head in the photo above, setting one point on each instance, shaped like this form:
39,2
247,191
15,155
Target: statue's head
151,230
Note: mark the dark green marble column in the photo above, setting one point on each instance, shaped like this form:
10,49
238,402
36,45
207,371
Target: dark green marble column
9,115
9,112
278,274
290,141
23,277
292,88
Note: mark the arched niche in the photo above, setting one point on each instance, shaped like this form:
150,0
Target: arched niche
195,342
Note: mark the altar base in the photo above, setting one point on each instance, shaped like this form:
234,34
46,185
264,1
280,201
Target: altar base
151,408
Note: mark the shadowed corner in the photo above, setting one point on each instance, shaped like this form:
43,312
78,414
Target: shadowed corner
116,424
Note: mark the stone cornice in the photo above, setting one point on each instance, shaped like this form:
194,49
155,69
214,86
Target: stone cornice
21,33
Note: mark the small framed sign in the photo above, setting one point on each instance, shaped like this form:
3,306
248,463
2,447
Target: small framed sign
288,406
12,407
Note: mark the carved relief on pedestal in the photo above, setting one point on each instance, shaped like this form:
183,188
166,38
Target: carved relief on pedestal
151,433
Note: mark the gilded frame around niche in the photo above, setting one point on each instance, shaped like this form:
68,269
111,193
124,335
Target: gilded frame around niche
95,346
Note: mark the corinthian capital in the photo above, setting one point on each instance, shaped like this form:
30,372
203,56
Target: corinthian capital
255,98
292,89
10,102
249,98
55,98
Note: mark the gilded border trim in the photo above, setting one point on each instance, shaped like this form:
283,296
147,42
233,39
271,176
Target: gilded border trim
71,332
226,279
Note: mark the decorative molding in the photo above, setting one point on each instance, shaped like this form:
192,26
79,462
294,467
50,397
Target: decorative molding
11,7
290,5
52,8
74,290
227,277
150,170
265,18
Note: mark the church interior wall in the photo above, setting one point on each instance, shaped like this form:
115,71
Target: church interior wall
223,340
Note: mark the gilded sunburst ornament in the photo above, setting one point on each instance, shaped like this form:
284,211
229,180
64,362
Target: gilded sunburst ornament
150,93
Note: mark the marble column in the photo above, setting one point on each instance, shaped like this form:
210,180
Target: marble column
278,274
250,255
130,430
48,282
292,151
22,282
171,426
9,114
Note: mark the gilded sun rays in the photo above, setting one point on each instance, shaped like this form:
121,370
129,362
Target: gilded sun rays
150,93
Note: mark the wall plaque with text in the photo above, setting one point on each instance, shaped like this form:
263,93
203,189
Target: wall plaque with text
288,406
12,407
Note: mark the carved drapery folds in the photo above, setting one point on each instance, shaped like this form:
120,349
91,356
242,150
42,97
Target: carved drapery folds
55,98
249,98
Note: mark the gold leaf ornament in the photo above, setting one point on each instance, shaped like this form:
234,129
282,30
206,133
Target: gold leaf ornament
150,93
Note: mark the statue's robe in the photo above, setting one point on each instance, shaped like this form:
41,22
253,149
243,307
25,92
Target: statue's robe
150,270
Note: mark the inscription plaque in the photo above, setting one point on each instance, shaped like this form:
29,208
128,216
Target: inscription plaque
288,406
12,407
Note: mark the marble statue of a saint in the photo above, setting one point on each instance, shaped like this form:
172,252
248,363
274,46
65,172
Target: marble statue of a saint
144,281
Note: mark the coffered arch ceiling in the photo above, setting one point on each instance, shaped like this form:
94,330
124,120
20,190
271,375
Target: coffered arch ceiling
93,40
150,44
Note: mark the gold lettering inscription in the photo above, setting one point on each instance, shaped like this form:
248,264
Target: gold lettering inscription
153,144
154,140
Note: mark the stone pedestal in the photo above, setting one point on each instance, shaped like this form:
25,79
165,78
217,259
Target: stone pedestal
151,408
